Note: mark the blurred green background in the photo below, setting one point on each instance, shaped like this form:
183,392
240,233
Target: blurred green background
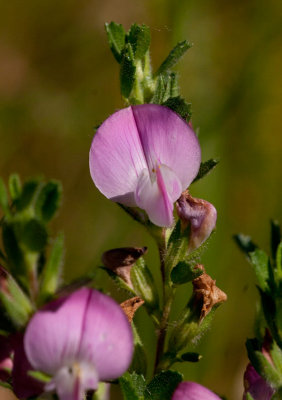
58,80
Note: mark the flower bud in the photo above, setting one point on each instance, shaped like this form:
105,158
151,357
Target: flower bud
121,260
199,214
254,384
6,363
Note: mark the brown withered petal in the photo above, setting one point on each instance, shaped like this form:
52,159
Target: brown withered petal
206,293
121,260
130,306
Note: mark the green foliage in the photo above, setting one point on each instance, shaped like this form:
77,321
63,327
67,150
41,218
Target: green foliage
275,237
15,186
144,284
132,386
27,195
139,37
176,53
116,38
245,243
119,282
180,106
183,273
163,385
48,200
260,262
139,361
127,71
51,273
205,168
3,197
39,376
33,235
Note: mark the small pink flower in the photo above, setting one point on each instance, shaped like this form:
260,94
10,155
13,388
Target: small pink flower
79,340
145,156
193,391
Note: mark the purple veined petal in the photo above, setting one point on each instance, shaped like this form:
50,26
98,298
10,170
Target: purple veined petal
54,333
256,385
167,139
116,157
107,337
137,138
193,391
156,196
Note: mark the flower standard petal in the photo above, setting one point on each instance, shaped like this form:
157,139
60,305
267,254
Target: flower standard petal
54,333
116,157
107,337
193,391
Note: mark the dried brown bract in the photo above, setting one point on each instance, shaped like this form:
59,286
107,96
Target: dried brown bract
130,306
206,293
121,260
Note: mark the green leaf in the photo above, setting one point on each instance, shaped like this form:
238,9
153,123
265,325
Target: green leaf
4,201
144,284
245,244
118,281
127,71
52,269
14,253
183,273
163,385
279,258
275,237
159,90
139,37
205,168
276,355
48,200
176,53
29,190
269,311
116,37
249,396
14,300
260,262
34,235
180,106
15,186
191,357
132,386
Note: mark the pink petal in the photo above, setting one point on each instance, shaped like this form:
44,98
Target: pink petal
116,157
107,337
53,334
156,196
193,391
169,140
137,138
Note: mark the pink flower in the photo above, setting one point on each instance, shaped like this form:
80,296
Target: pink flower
79,340
145,156
256,385
193,391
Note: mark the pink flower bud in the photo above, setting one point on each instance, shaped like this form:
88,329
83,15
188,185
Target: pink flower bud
256,385
199,214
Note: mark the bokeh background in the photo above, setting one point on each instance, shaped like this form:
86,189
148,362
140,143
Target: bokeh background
58,80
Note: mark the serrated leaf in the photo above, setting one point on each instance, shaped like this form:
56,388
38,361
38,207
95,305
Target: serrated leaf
116,37
180,106
15,186
139,37
48,200
4,201
127,71
52,269
183,273
163,385
34,235
27,195
176,53
260,262
132,386
205,168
